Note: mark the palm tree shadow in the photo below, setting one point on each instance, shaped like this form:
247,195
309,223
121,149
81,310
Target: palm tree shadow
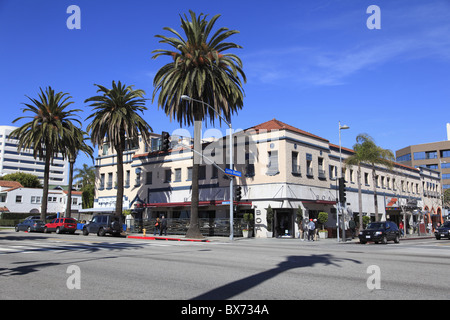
228,291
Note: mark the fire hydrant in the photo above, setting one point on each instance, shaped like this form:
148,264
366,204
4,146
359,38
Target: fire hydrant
144,230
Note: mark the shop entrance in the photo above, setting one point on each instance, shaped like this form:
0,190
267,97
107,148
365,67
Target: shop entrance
284,223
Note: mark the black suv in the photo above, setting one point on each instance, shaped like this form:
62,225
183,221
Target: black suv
443,231
103,224
380,232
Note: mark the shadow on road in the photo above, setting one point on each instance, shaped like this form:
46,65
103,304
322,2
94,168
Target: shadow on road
27,266
22,270
232,289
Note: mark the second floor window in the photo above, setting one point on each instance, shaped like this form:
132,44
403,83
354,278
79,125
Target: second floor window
272,166
168,175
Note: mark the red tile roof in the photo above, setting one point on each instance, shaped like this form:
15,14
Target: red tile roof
10,184
275,124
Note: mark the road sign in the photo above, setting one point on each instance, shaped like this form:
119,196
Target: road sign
233,172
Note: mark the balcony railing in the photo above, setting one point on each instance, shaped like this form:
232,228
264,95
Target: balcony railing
208,227
296,170
322,174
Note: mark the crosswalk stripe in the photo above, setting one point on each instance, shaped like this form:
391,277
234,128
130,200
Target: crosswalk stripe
61,246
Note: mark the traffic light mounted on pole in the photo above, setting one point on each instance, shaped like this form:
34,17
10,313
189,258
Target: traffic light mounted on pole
165,143
342,191
238,193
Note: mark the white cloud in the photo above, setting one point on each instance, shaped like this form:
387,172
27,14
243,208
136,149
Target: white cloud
408,33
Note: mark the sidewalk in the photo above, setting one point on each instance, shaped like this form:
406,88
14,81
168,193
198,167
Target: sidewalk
173,237
170,237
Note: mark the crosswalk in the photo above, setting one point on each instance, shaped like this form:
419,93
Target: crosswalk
36,247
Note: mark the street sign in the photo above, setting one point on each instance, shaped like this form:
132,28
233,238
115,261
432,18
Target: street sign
225,202
233,172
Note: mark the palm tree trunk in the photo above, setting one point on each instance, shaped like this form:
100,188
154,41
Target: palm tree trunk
69,191
194,228
48,155
119,198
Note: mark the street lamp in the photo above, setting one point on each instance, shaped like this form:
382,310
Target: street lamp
340,176
442,186
230,137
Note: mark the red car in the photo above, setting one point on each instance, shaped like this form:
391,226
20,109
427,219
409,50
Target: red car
60,225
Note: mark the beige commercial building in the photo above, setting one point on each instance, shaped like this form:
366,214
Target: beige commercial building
283,169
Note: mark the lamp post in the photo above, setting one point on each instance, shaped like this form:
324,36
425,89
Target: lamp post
442,186
340,176
230,137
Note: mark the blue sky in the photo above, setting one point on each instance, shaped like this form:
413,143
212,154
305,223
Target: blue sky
308,63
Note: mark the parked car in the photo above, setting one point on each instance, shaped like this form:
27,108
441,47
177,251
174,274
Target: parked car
30,225
51,217
443,231
380,232
103,224
33,217
60,225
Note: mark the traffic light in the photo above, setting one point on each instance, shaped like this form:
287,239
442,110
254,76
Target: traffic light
238,193
165,143
342,191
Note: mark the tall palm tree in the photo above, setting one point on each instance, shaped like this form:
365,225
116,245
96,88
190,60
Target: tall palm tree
366,151
116,121
202,70
74,146
51,126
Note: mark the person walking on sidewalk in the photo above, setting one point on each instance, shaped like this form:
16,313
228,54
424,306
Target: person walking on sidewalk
157,226
305,229
163,226
311,227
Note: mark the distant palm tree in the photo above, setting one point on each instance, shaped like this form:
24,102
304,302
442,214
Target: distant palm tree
366,151
202,70
47,133
116,121
86,176
74,146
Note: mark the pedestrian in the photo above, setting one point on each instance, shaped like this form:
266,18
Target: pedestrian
352,226
163,226
400,226
311,227
305,229
316,229
157,226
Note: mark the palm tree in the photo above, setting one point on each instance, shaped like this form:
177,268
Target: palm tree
366,151
116,121
87,177
74,145
86,174
47,133
202,70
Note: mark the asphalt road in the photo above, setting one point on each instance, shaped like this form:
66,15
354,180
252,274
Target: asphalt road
50,266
